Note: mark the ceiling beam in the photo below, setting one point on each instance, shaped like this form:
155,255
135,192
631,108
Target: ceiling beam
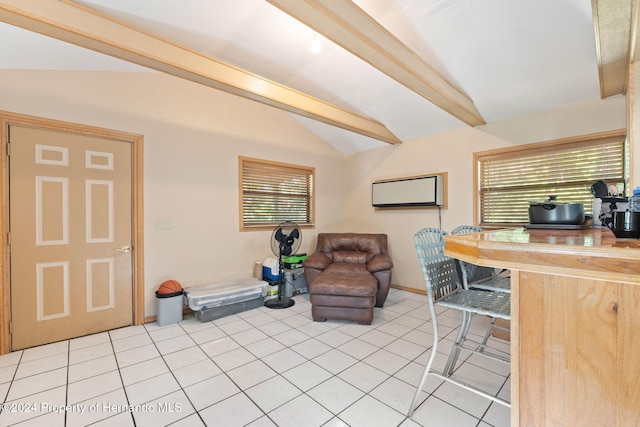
82,26
613,23
344,23
634,38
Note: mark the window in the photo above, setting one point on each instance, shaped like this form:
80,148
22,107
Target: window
272,192
509,179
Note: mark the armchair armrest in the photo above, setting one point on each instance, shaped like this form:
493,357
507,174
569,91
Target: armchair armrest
317,260
379,262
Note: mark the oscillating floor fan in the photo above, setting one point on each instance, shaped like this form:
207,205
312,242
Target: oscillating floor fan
285,241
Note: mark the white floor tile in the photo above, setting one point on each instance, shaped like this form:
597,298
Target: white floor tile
334,338
335,361
313,329
93,386
89,340
237,410
264,347
33,405
236,326
151,389
307,375
210,391
44,364
162,334
219,346
92,367
196,372
372,413
249,336
352,329
387,361
274,327
263,421
122,419
10,359
284,360
394,328
127,331
136,355
174,344
404,348
358,349
37,384
128,343
45,351
271,394
291,337
164,411
7,373
311,348
52,419
394,392
377,338
335,394
497,415
301,411
252,373
209,334
98,408
186,357
143,370
89,353
233,359
4,389
297,321
261,368
190,421
363,376
434,412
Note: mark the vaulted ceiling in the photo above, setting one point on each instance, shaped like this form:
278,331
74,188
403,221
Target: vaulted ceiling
359,73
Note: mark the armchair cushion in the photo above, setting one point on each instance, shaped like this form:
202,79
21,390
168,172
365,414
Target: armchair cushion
342,267
350,257
379,263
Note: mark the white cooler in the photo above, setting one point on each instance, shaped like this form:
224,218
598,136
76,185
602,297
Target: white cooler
210,302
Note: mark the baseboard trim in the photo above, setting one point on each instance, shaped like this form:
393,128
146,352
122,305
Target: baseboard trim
408,289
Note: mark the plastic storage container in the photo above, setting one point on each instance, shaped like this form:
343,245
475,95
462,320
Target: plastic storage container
217,300
295,282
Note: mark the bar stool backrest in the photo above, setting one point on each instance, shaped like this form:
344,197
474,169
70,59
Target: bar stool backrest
439,270
471,272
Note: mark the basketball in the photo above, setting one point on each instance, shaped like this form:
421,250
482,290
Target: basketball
169,287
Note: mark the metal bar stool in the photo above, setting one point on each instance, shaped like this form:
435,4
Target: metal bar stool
444,289
479,277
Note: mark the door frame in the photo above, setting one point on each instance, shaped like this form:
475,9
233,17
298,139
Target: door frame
7,119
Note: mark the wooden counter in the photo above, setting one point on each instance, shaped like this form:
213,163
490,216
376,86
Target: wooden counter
575,322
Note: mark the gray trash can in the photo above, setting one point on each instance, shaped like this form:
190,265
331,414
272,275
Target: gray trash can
169,307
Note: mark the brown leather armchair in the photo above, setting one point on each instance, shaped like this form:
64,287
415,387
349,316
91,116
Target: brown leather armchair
347,275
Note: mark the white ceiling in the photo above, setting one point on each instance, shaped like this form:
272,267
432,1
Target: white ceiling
510,57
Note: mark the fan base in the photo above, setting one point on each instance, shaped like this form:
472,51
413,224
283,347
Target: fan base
279,303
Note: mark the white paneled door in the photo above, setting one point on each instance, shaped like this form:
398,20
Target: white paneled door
70,216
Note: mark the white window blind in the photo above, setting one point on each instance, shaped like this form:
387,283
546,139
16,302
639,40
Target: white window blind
274,192
509,180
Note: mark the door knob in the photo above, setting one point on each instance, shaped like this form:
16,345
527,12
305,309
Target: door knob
124,249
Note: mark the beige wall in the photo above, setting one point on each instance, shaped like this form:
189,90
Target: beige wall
452,152
193,136
633,114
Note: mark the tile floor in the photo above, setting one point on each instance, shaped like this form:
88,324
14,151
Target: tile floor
262,367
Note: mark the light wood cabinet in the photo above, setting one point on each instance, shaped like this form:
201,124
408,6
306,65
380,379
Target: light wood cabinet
575,326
